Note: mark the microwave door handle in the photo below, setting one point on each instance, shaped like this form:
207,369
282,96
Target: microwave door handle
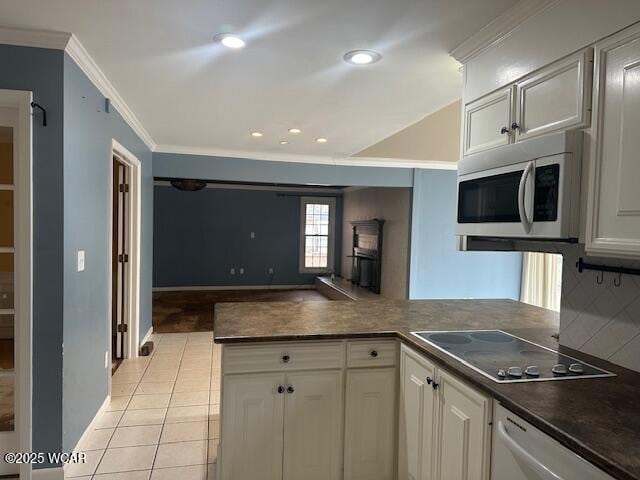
522,208
542,471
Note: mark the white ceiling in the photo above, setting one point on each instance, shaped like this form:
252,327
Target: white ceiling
189,92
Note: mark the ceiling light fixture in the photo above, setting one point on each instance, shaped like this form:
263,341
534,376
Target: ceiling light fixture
256,134
321,140
295,131
230,41
362,57
283,142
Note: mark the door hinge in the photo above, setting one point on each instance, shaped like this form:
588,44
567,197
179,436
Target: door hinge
122,328
124,187
123,258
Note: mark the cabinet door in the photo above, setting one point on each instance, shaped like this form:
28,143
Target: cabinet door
557,97
370,424
313,425
463,445
613,215
251,436
487,121
417,418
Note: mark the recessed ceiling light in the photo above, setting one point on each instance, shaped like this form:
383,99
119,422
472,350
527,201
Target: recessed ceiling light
295,131
256,134
283,142
230,41
321,140
362,57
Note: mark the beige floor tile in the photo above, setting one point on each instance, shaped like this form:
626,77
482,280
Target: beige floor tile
137,475
211,471
154,400
212,455
117,403
192,472
181,454
184,432
136,436
149,416
214,428
215,384
170,348
108,420
160,376
154,387
92,458
123,389
214,396
214,410
96,440
197,365
194,375
187,414
117,379
185,399
127,459
191,385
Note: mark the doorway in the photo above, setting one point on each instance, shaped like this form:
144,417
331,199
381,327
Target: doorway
125,255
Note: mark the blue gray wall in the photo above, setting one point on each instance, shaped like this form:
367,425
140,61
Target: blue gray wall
40,71
437,269
88,134
199,236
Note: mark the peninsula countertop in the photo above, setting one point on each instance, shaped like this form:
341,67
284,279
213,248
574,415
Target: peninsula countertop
597,418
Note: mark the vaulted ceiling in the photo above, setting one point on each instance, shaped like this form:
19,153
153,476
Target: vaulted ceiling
191,93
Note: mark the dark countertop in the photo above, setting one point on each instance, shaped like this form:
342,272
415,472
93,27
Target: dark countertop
597,418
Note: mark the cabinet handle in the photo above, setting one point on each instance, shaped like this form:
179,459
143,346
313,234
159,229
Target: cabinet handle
515,126
435,385
374,353
286,358
280,389
290,389
429,380
504,130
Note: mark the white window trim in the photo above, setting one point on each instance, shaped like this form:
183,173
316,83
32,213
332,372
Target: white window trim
331,201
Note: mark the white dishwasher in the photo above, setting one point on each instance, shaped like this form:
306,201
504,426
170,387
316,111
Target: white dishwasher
522,452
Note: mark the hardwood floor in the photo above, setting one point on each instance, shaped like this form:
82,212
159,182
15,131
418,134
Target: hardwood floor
192,311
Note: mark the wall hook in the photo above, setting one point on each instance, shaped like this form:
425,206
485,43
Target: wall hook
600,278
618,281
44,112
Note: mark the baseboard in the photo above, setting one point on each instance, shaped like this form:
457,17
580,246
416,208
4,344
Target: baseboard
146,337
89,427
229,287
55,473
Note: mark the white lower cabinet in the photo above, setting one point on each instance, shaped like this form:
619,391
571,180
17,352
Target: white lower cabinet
370,420
445,425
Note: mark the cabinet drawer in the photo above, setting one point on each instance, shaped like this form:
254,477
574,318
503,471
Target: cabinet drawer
282,356
381,353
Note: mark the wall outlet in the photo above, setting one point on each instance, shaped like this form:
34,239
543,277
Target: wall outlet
253,234
106,359
232,271
270,270
81,260
241,271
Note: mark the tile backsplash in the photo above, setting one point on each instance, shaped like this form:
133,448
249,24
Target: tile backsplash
601,320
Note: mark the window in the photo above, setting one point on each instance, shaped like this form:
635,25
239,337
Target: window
317,221
542,280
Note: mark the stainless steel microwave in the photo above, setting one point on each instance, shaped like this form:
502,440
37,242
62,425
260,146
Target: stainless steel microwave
529,189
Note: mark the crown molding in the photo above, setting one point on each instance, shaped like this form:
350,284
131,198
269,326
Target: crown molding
91,69
499,28
34,38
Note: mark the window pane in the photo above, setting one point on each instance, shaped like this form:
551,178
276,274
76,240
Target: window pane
316,252
6,218
7,403
6,342
6,155
6,280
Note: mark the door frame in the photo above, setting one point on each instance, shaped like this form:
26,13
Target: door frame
133,266
23,260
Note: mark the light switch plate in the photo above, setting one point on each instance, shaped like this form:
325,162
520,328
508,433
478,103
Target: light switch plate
81,260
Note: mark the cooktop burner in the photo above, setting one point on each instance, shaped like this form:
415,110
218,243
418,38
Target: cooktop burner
506,358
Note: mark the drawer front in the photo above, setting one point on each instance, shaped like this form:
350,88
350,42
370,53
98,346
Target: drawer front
282,357
371,353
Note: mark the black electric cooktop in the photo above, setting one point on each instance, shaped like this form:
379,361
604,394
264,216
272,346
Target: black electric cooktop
506,358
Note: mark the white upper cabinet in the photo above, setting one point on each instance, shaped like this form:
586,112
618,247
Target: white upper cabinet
487,121
613,215
554,98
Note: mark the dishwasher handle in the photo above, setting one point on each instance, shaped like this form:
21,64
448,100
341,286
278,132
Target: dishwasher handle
541,470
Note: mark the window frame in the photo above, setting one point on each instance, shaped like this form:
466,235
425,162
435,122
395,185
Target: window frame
331,202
